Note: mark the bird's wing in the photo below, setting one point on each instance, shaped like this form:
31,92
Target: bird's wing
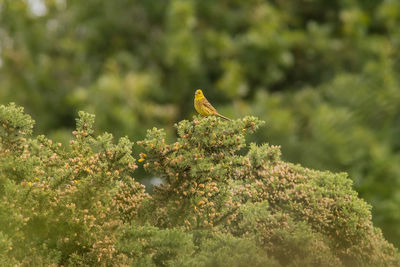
208,106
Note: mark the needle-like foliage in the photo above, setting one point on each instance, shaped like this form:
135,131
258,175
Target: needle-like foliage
222,203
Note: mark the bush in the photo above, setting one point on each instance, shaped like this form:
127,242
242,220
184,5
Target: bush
221,204
63,205
323,74
298,216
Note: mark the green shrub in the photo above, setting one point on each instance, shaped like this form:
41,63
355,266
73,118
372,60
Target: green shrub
324,74
64,202
221,204
298,216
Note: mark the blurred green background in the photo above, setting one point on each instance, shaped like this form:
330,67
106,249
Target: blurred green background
324,75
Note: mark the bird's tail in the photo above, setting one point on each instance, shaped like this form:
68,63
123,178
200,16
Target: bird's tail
223,117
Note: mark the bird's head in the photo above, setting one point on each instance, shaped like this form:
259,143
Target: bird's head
198,94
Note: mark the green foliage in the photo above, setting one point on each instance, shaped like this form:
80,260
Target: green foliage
221,203
227,250
298,216
292,243
14,124
330,69
198,169
64,205
151,246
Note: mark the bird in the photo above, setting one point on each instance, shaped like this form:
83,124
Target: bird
203,107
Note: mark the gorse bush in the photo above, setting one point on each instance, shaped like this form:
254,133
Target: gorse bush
222,203
297,215
63,205
324,74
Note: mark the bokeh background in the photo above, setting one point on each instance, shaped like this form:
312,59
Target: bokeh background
324,75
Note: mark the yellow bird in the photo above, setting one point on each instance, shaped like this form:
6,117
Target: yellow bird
203,107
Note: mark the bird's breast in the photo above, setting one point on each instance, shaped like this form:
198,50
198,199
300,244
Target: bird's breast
199,107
